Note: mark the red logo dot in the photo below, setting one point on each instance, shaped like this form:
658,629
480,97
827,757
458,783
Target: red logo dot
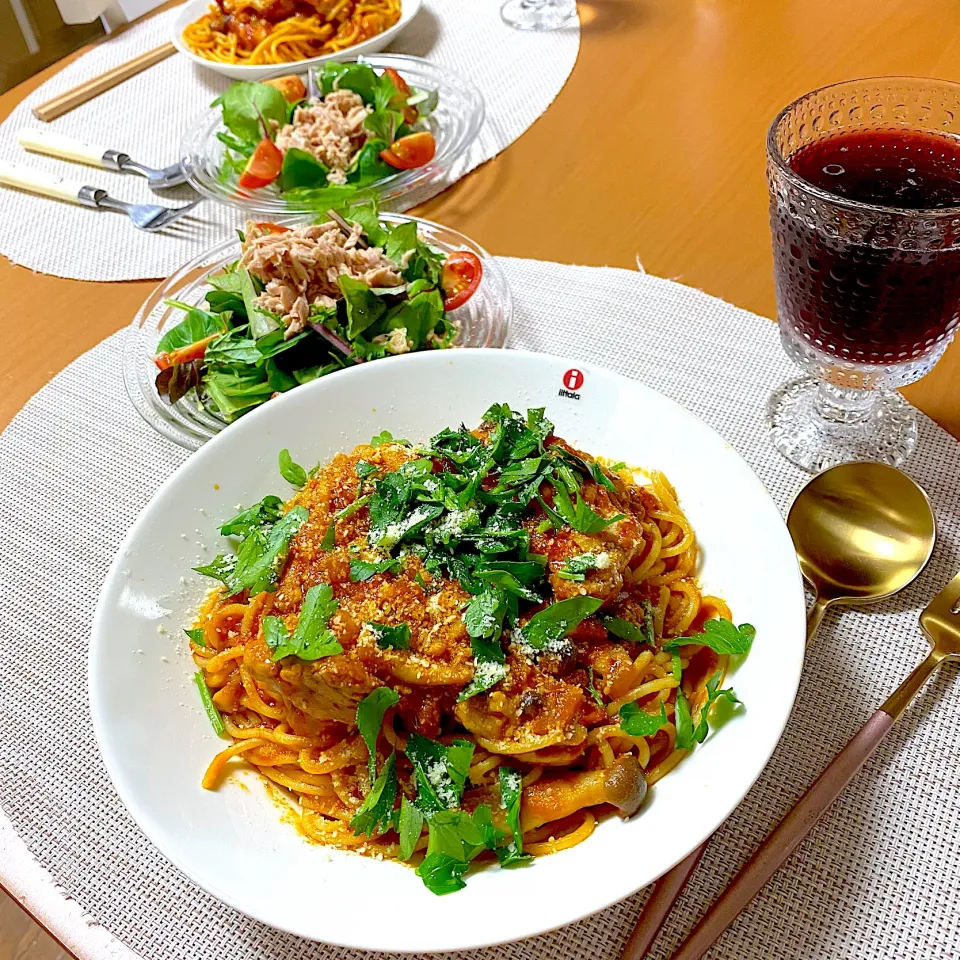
573,379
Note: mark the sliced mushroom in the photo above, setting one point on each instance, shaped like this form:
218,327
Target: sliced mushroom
553,798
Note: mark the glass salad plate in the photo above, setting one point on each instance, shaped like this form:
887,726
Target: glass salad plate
454,123
483,321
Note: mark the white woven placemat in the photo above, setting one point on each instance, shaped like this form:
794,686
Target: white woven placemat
519,74
879,878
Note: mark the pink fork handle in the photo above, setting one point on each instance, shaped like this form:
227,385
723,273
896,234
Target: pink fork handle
659,904
785,839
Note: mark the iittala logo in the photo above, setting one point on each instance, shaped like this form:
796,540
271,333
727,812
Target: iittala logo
572,382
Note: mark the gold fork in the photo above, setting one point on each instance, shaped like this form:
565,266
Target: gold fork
940,622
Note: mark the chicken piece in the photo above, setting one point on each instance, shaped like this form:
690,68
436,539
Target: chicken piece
613,671
527,711
553,798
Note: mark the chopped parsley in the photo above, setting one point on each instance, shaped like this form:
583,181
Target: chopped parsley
630,631
263,514
376,812
385,436
370,712
361,570
546,628
691,732
329,540
410,827
441,772
577,568
511,790
351,508
395,637
591,689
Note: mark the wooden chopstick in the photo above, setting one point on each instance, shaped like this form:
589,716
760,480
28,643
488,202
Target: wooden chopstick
80,94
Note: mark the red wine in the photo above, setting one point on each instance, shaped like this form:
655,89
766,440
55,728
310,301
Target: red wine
844,281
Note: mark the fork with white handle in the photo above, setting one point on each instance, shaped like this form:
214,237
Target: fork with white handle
146,216
67,148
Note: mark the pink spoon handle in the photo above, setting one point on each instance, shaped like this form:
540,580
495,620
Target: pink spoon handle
784,840
661,901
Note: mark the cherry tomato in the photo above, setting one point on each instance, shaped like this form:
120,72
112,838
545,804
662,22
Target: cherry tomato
398,81
413,150
291,87
184,354
263,167
410,113
460,278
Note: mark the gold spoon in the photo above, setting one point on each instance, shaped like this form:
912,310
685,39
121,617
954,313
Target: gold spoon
862,532
940,622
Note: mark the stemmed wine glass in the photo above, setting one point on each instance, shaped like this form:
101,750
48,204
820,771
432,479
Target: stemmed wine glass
538,14
864,181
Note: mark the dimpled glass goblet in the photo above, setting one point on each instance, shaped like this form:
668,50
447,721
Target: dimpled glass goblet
864,181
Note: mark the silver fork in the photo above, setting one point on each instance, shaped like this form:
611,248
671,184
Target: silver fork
146,216
67,148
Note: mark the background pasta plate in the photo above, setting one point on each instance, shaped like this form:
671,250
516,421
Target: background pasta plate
156,741
195,9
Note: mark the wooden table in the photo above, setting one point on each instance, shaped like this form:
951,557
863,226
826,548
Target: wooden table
652,153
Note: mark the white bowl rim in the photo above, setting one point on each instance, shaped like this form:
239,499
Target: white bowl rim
588,903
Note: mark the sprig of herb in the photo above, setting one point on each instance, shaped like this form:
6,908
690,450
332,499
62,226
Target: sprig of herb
721,636
312,638
690,732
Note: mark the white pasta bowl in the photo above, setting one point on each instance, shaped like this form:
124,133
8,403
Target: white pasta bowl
156,741
195,9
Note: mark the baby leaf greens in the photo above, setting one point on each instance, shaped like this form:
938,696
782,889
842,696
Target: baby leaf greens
243,104
397,637
237,354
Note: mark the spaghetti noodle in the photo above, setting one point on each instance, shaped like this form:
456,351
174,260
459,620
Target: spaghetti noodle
256,32
530,614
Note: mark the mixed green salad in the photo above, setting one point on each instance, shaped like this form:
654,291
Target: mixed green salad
339,154
235,352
